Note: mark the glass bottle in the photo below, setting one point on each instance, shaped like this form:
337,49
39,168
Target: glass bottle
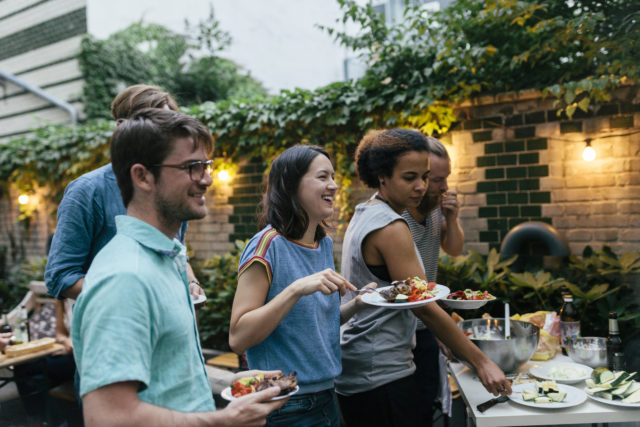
22,326
6,327
569,322
615,353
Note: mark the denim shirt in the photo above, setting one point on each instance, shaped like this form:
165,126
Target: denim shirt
86,223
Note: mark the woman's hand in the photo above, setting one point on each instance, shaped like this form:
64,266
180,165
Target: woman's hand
66,344
492,378
358,300
4,340
327,281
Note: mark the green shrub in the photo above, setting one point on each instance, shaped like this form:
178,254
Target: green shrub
218,277
16,284
600,282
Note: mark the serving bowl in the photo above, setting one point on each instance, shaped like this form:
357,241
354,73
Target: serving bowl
508,354
590,351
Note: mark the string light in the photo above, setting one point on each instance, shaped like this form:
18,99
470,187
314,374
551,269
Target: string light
588,154
224,176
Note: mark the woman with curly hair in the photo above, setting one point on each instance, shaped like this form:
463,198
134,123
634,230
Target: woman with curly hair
377,385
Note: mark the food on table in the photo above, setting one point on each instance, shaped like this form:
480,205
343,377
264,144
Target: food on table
409,290
545,392
29,347
247,385
469,295
566,372
616,385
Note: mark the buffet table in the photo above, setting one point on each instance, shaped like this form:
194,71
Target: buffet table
514,414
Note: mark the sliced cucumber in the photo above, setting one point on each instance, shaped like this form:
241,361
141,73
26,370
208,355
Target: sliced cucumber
619,378
632,398
542,399
602,375
402,298
556,397
604,395
529,395
621,389
635,386
590,383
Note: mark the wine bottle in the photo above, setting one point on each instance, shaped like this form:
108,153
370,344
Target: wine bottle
615,353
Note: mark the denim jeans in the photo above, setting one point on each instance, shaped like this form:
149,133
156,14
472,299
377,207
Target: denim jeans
313,409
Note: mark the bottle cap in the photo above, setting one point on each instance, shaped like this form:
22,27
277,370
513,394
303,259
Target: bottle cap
613,315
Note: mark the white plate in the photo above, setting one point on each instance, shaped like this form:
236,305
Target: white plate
199,300
545,371
466,304
575,396
615,402
226,394
374,298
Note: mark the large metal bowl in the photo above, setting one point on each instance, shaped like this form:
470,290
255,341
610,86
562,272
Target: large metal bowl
590,351
508,354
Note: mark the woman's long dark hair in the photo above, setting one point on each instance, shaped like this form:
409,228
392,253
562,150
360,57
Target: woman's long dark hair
280,205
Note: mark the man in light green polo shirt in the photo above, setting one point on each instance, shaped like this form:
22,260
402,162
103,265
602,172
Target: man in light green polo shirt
134,331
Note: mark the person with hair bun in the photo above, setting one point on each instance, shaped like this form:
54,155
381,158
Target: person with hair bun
91,202
286,313
377,385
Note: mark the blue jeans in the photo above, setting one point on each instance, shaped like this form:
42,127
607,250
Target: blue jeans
306,410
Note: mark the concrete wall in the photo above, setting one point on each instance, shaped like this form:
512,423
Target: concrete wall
39,43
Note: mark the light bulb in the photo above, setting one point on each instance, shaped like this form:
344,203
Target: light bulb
224,176
589,153
23,199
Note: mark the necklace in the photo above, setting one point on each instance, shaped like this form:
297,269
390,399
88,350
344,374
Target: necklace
382,199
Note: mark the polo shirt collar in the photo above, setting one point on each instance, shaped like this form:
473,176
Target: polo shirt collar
148,236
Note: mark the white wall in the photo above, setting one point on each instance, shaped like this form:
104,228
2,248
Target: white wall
276,40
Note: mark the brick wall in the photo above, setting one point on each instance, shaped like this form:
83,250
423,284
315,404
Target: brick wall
515,160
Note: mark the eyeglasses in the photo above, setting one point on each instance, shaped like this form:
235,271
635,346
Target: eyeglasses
196,169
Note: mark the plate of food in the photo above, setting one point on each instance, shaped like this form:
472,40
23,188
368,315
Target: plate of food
468,299
402,294
288,386
547,395
617,388
567,373
198,300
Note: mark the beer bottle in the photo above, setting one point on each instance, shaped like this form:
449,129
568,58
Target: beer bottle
569,323
615,354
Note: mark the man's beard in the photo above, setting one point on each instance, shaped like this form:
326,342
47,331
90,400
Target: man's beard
429,203
177,212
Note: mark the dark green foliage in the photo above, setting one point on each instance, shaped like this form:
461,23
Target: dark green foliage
218,277
600,282
187,66
15,286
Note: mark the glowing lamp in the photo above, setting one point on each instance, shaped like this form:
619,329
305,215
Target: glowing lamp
224,176
23,199
589,154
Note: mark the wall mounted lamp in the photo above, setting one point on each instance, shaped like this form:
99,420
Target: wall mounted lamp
224,176
588,154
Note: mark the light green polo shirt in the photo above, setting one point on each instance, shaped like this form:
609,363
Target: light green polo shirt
134,321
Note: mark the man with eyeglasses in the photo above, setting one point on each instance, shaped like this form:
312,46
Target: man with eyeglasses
90,204
134,331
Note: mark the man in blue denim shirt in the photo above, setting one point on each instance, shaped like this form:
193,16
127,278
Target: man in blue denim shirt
91,202
134,330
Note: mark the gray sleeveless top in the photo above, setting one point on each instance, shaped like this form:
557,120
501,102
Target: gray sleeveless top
376,342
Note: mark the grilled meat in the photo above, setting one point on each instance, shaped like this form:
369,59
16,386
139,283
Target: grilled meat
286,383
